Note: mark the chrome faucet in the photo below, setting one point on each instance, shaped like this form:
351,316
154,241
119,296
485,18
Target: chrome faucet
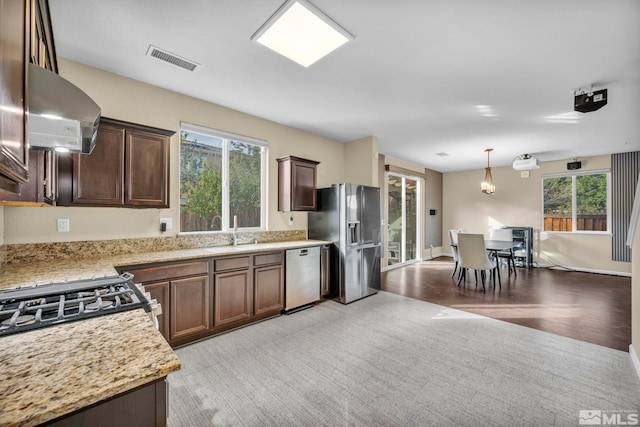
234,235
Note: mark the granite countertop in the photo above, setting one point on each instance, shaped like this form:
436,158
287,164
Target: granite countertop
50,372
39,273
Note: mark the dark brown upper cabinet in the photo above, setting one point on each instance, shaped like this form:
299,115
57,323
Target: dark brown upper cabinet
42,189
43,50
25,36
129,167
98,178
147,168
15,19
296,184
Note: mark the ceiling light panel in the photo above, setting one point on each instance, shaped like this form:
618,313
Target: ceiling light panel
301,32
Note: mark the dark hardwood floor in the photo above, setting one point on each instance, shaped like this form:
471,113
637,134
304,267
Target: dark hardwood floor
590,307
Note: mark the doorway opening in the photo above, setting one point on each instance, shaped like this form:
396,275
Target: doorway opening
403,219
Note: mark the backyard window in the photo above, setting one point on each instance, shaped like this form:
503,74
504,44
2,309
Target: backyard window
576,202
222,176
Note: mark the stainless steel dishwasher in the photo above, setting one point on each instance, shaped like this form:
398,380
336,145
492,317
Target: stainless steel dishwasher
302,286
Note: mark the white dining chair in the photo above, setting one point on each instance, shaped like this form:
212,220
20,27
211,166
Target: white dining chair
472,254
505,235
453,240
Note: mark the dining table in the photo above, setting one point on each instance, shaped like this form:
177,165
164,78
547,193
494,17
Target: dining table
496,246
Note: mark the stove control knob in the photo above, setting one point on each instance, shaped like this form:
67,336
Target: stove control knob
156,308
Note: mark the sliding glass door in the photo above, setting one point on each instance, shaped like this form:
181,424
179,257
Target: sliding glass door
402,216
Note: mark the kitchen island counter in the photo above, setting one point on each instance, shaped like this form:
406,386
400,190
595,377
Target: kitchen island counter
50,372
43,272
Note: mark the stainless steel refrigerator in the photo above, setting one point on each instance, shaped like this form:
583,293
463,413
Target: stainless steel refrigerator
349,216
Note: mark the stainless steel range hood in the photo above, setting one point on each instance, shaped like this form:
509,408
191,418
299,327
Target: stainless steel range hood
61,116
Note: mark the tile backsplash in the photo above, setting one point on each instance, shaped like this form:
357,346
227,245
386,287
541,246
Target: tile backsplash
29,252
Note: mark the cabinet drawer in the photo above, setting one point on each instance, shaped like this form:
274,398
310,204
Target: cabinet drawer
266,259
232,263
170,271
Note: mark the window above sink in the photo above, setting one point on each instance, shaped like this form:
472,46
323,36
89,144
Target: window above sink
222,181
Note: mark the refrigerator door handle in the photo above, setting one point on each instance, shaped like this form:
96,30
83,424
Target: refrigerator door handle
369,245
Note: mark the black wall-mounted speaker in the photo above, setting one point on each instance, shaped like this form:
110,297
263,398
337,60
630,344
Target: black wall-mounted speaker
574,166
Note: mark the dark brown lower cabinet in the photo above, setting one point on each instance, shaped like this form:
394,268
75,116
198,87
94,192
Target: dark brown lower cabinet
144,406
190,307
205,297
184,291
232,297
268,292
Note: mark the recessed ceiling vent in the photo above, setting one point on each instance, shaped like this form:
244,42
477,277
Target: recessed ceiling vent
171,58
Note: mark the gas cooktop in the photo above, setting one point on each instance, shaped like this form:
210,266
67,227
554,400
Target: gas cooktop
27,308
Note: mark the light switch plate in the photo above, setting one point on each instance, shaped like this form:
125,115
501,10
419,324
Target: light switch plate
63,225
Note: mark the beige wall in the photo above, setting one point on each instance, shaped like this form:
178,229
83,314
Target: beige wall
433,223
133,101
518,201
361,161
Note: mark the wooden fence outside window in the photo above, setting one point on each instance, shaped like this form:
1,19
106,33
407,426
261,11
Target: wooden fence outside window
585,223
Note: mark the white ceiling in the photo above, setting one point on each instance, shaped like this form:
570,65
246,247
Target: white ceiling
413,76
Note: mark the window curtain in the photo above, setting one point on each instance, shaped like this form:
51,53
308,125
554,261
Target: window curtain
625,168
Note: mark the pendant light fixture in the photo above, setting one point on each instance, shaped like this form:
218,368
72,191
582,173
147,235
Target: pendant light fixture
487,185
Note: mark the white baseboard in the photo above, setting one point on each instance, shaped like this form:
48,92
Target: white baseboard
432,256
585,270
394,266
634,359
427,258
551,266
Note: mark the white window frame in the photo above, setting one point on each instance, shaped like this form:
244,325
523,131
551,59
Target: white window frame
226,138
574,211
403,235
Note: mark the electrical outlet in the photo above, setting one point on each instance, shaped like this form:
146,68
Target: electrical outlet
291,220
63,225
168,222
